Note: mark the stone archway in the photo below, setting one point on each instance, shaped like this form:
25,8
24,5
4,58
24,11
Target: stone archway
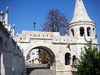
49,65
46,50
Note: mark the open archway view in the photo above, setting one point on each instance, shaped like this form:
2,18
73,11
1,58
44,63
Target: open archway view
41,56
40,59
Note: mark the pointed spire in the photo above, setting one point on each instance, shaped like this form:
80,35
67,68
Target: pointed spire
6,16
7,25
1,16
80,13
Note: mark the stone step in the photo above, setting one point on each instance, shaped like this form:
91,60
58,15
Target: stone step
42,72
37,66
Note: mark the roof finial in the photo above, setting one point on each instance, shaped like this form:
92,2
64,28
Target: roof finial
7,8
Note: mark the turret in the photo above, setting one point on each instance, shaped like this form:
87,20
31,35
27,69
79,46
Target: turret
81,25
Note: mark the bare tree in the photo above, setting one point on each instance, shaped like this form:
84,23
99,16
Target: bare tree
44,57
55,22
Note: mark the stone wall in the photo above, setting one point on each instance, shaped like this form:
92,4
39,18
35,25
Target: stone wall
11,56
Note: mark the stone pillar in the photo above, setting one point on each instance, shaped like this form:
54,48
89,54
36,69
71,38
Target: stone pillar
2,65
71,60
91,32
77,32
85,32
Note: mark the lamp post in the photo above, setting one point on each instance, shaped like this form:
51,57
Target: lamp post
34,25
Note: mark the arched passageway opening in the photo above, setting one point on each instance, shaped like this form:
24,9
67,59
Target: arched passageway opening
40,55
41,58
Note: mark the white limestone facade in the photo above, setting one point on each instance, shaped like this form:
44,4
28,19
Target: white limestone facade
63,50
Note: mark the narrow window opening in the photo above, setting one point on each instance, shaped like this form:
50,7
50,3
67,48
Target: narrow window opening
94,30
32,61
67,58
81,31
74,60
88,31
72,31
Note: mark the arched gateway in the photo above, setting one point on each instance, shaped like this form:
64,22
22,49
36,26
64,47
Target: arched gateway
55,45
62,50
41,55
37,45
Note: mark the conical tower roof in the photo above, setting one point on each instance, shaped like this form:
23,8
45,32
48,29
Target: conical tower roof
80,13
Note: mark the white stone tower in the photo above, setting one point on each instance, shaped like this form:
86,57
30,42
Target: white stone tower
81,26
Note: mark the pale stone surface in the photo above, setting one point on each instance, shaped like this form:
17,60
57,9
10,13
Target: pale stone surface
60,45
42,72
80,13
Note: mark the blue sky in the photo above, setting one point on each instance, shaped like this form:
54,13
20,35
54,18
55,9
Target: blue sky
23,13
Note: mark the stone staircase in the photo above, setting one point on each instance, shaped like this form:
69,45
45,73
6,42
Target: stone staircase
42,72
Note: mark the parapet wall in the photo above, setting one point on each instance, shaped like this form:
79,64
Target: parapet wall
55,37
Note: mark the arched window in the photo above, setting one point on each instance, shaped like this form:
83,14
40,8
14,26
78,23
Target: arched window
93,30
67,58
81,31
1,43
72,31
74,59
88,31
